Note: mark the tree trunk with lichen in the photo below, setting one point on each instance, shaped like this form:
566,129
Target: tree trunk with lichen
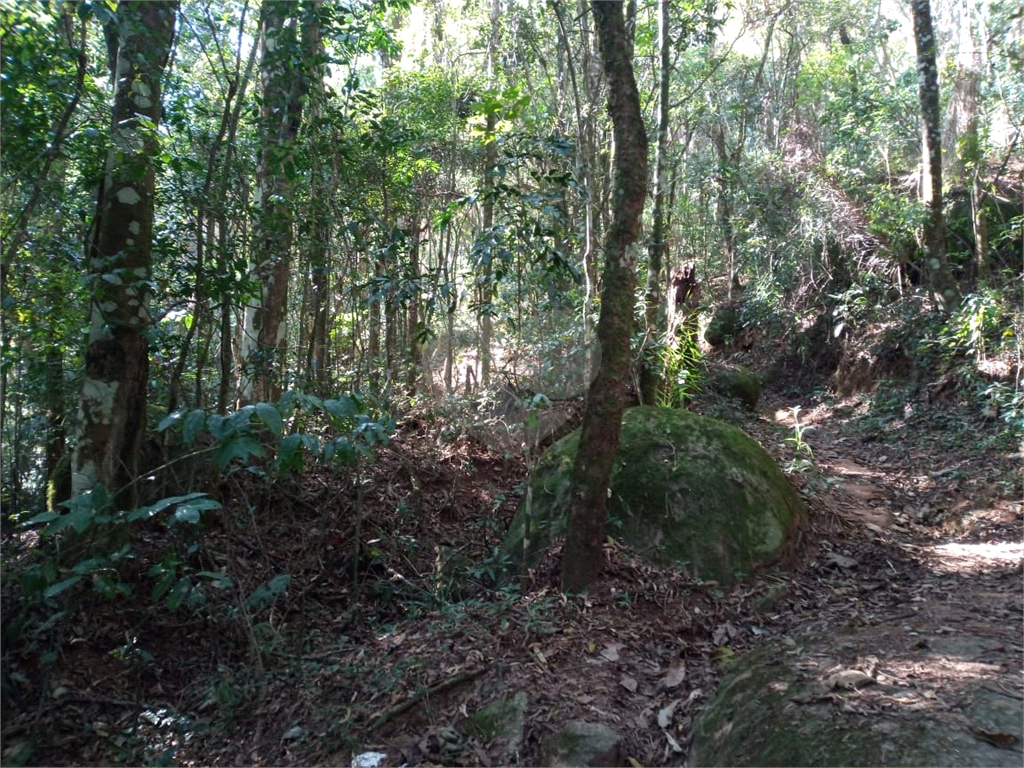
602,418
113,401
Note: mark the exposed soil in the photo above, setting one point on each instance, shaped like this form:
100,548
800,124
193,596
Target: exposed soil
390,629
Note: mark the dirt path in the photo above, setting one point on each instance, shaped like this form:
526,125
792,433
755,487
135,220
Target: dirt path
922,580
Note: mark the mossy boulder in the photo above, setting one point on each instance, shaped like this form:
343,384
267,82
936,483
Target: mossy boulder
737,382
725,325
684,489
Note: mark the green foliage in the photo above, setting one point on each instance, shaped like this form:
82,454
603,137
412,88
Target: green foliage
803,455
982,324
681,368
88,544
332,430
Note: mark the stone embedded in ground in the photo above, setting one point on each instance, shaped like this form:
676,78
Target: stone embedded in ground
500,721
685,489
579,743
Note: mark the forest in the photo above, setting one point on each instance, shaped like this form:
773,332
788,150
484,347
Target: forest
488,382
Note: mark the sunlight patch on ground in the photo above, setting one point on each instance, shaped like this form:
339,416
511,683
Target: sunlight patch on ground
980,555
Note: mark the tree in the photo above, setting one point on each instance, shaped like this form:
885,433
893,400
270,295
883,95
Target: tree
602,417
113,400
650,374
943,288
291,47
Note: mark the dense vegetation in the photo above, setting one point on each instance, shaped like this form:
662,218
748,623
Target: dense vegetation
249,241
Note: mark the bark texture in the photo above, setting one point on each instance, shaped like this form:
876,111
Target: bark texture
290,43
943,288
113,402
650,372
602,418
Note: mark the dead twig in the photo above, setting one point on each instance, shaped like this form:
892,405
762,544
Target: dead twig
444,685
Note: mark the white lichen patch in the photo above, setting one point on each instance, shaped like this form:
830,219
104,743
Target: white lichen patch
135,227
128,196
99,397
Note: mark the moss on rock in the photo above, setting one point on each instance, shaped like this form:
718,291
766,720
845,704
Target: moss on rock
739,383
684,489
725,324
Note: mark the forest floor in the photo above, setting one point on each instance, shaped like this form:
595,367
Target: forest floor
914,528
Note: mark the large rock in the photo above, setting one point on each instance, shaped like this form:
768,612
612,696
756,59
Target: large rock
737,382
725,325
685,489
796,705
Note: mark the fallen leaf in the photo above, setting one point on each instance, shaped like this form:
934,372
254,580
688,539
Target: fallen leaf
539,654
834,558
724,633
611,652
629,683
848,680
665,714
674,676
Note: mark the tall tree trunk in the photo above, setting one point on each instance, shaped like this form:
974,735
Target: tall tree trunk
316,360
602,417
944,291
965,132
723,204
288,71
487,282
650,370
413,323
113,402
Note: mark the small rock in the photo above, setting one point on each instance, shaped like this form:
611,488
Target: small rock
581,743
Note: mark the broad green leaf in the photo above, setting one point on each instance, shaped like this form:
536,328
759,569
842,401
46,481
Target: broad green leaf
241,448
217,580
42,517
193,425
162,586
192,512
270,416
144,513
55,589
169,421
216,425
179,593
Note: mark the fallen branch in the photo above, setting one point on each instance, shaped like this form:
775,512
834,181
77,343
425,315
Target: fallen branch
411,702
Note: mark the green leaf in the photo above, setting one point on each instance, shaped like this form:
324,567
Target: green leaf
216,425
217,580
192,512
270,416
169,421
42,517
162,585
263,596
241,448
193,425
179,593
55,589
144,513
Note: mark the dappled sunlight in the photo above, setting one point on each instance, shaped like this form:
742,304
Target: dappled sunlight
955,556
